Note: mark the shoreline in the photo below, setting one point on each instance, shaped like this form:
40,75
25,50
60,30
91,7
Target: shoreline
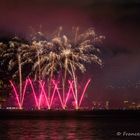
68,114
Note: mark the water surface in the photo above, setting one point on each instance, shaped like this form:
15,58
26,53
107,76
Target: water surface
67,129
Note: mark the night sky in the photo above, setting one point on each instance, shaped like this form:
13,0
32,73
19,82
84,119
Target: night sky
117,20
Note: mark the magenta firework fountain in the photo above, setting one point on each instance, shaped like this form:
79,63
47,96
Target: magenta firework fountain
42,99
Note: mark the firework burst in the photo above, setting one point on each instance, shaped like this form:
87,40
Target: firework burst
50,55
66,53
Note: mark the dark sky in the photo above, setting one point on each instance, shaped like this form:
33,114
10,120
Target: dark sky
118,20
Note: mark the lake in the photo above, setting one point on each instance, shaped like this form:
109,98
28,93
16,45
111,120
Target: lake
69,129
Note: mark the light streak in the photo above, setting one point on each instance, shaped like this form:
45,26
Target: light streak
33,90
85,87
24,90
16,94
45,95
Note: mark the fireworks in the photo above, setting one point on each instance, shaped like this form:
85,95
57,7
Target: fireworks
52,57
62,54
41,99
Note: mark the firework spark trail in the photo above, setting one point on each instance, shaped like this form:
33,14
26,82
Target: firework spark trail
60,98
34,94
24,90
85,87
20,77
54,90
16,94
40,95
73,93
75,87
45,95
70,88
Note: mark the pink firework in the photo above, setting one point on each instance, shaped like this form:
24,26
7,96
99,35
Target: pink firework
43,95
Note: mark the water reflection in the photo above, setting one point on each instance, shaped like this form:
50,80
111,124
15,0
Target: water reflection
62,129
